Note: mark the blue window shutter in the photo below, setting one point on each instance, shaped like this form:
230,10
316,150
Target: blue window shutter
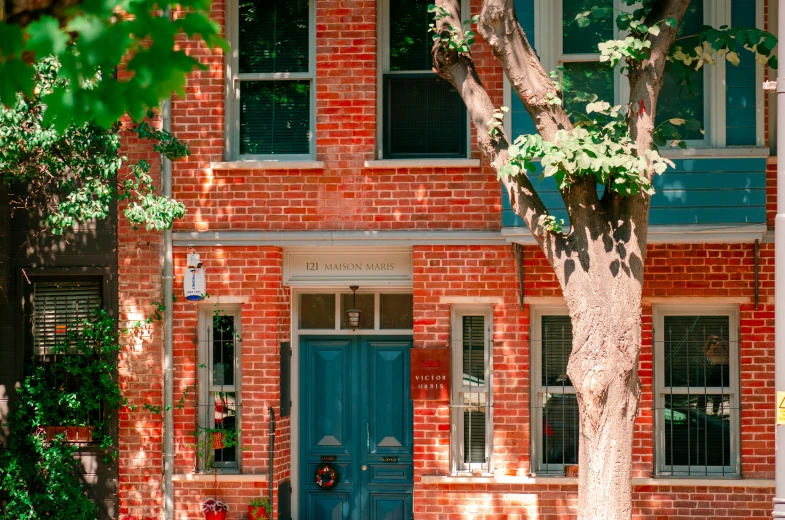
521,120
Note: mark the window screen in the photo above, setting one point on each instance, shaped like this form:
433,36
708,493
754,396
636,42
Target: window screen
697,406
558,440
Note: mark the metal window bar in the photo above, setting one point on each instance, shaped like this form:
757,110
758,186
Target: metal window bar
555,404
697,357
221,410
58,311
471,401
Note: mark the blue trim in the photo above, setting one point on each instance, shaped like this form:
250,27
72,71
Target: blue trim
521,120
697,191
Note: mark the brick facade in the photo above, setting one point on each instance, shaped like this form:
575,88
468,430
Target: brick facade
346,195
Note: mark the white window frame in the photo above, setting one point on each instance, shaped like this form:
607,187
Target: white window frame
457,464
234,79
206,416
383,67
733,470
548,33
538,389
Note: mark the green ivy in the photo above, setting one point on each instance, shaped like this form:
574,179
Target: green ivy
39,474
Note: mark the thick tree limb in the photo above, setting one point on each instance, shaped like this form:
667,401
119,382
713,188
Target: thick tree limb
646,77
459,70
499,26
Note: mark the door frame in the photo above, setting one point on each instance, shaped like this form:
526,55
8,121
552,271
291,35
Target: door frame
294,421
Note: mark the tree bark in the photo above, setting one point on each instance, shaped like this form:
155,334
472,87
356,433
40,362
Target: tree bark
22,12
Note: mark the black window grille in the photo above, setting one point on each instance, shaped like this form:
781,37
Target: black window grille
219,429
697,410
555,405
471,405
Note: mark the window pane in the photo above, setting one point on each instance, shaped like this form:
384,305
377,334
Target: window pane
317,311
273,36
225,419
397,311
474,428
275,117
364,303
424,117
473,350
584,40
556,348
59,308
697,351
683,87
560,429
590,77
410,41
697,431
223,350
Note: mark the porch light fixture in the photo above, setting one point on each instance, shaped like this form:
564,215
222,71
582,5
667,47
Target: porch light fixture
353,314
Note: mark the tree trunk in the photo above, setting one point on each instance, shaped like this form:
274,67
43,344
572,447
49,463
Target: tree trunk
608,390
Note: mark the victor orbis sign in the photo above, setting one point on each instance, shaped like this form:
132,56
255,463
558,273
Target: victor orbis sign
430,374
327,266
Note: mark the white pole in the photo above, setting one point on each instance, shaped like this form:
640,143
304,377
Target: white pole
779,280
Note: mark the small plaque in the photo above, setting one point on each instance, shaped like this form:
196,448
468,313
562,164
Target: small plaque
430,374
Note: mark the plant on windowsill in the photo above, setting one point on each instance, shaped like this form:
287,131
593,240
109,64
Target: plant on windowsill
260,508
214,509
210,439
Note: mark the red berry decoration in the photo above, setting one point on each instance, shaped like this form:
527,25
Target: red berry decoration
326,476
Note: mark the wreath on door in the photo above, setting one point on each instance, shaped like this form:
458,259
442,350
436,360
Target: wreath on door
326,476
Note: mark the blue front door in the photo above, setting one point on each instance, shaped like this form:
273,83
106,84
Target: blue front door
356,415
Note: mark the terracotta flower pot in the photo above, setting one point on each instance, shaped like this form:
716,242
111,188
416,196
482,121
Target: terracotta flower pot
220,515
257,513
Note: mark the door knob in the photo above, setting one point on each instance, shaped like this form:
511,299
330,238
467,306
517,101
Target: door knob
365,467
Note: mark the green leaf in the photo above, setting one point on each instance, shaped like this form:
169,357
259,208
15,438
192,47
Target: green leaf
45,37
672,22
654,30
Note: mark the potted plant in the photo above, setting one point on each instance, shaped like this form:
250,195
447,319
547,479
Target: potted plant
260,509
214,509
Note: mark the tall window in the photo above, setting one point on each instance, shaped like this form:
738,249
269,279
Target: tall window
423,115
471,408
219,399
697,412
272,71
554,405
59,310
683,90
578,53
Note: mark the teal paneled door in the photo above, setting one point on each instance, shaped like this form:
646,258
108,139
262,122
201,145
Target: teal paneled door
356,414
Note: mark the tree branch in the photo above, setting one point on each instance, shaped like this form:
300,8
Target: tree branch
499,26
646,77
22,12
458,69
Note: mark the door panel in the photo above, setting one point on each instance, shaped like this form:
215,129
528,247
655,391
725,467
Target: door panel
357,416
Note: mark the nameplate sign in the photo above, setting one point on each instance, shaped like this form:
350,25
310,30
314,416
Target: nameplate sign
429,377
325,267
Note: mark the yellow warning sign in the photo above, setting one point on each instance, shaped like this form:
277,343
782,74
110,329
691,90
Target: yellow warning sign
780,407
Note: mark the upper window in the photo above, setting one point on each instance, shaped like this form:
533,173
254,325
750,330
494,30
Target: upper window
719,97
471,408
219,396
271,92
554,405
696,399
423,115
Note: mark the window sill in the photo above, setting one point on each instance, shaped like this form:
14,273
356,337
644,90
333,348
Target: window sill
268,165
570,481
390,164
705,153
220,477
